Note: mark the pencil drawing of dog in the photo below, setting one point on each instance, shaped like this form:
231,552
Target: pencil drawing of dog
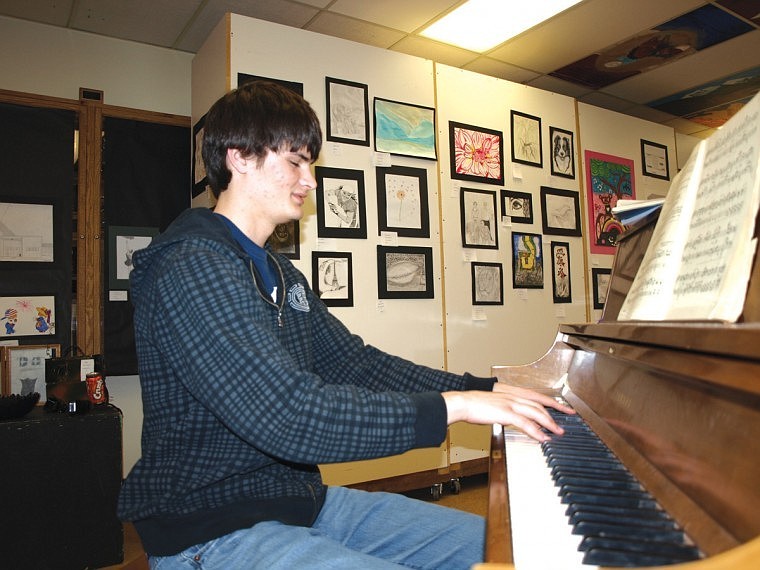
561,154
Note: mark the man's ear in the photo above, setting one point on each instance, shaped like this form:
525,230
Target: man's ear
237,161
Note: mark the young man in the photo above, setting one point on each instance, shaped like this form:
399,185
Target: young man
248,382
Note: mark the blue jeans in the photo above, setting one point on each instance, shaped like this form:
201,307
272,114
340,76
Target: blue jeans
355,530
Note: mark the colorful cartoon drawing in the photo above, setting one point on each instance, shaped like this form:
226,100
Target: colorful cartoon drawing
527,261
610,178
42,320
11,318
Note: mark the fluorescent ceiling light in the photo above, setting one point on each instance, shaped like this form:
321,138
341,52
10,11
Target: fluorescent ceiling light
479,25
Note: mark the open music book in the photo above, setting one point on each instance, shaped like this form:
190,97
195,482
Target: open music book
699,259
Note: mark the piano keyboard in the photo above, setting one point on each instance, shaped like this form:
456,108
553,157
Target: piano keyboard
574,505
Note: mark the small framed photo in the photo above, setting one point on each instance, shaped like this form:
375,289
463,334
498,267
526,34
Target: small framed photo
404,129
476,154
123,242
24,368
518,206
654,160
526,139
487,283
404,272
402,201
341,206
286,239
478,218
561,291
600,279
527,261
27,316
332,278
563,152
347,112
561,212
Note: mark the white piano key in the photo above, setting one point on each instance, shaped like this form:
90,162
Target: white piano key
541,535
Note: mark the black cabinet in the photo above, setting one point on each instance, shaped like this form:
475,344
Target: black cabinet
59,482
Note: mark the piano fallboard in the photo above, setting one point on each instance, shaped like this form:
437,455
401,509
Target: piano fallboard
678,404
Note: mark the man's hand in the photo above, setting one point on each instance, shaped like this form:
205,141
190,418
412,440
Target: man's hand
506,405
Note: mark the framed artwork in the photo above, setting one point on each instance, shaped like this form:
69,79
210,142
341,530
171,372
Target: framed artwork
563,152
526,139
654,160
123,242
609,179
527,261
600,279
24,368
199,167
294,86
478,218
26,232
404,129
286,239
404,272
402,201
347,112
341,206
561,291
518,206
27,316
332,278
487,283
560,211
476,154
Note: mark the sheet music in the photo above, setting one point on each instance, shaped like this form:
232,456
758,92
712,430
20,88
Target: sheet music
700,256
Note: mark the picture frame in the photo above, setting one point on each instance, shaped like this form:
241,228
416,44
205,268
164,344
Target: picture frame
600,280
402,201
405,272
654,160
527,261
476,154
561,282
294,86
517,205
200,180
560,212
608,179
487,283
347,110
526,139
27,234
404,129
341,205
23,368
123,241
477,216
562,152
286,239
25,315
332,277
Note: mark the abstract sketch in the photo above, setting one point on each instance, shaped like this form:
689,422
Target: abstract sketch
405,272
347,112
476,154
332,278
600,279
487,283
527,261
561,212
341,209
526,139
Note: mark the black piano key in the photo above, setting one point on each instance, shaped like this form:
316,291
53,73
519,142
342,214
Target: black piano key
618,511
590,472
633,533
591,516
563,481
621,559
605,491
675,551
608,500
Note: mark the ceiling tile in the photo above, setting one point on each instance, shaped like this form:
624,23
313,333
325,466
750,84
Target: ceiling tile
146,21
606,101
429,49
54,13
549,83
398,14
348,28
494,68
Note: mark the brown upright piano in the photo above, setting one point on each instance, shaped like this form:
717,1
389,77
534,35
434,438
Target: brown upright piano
678,404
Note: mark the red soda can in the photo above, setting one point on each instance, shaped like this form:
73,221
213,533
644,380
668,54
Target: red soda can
97,392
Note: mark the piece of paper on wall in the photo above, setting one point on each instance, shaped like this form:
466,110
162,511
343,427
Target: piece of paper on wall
26,232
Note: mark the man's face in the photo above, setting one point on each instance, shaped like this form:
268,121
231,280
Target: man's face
281,184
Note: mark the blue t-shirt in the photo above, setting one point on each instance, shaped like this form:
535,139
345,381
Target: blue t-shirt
259,257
